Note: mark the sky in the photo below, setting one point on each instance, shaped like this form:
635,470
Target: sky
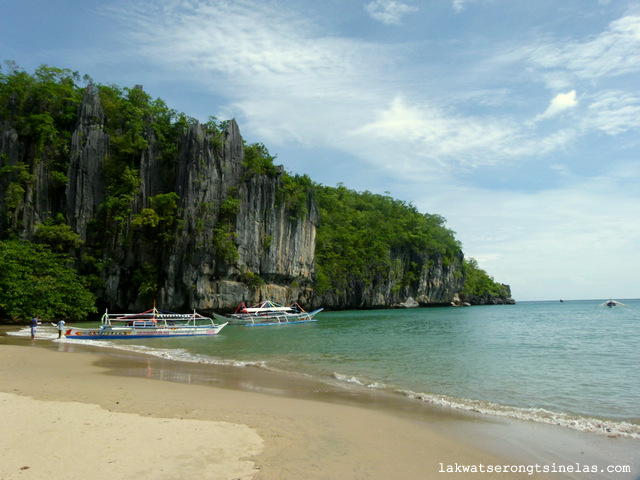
517,121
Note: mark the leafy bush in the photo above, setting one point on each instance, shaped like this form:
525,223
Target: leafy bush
57,235
38,282
224,241
159,222
258,160
251,280
294,194
146,281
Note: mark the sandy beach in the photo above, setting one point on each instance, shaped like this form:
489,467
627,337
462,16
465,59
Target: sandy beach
71,412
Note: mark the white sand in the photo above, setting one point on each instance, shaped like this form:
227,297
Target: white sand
70,440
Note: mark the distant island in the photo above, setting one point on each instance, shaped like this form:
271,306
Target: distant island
110,199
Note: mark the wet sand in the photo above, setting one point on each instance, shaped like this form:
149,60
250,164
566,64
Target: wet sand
74,411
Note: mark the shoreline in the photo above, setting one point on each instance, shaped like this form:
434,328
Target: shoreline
308,430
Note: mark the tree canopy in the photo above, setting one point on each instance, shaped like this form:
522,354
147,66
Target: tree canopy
38,282
359,230
478,283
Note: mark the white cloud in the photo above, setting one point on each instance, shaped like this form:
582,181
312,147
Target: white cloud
460,5
560,103
427,131
614,52
287,77
389,12
614,112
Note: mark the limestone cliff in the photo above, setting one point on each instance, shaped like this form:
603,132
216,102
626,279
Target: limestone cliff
437,282
189,269
198,229
185,268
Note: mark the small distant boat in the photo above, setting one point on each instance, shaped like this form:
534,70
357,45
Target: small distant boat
150,324
612,303
269,313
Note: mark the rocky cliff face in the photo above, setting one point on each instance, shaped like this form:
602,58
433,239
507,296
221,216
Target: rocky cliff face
437,282
191,270
86,185
486,299
231,237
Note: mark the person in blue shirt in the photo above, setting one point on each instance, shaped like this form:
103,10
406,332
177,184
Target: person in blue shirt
34,324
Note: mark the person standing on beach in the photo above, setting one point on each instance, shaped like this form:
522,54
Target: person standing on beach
60,328
34,324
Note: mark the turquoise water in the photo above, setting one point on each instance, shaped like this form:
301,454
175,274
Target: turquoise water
572,363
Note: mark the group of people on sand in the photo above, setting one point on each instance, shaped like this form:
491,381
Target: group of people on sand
35,321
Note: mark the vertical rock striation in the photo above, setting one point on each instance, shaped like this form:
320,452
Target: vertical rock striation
231,238
86,185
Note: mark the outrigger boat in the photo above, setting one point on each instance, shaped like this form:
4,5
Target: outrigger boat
269,313
612,303
150,324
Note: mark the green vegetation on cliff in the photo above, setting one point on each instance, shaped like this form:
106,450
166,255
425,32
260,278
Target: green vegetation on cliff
42,108
479,284
359,231
359,234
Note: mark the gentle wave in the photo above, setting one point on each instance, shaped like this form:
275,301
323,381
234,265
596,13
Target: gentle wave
177,355
173,354
593,425
357,381
610,428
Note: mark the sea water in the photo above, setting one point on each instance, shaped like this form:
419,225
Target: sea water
572,363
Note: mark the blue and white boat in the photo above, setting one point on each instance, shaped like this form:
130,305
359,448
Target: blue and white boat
150,324
269,313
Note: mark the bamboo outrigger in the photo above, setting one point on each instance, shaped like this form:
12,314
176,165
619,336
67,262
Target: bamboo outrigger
150,324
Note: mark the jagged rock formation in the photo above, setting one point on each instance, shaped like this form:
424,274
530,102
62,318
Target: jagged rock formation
263,251
437,283
192,272
86,187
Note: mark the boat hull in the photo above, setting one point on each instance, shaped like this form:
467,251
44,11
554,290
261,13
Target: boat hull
131,332
263,320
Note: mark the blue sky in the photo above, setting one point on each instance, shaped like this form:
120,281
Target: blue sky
517,121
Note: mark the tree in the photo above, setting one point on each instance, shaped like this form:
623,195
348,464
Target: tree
159,222
258,160
57,235
359,231
42,108
478,283
37,282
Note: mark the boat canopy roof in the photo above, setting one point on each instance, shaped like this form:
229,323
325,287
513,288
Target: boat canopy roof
152,315
269,309
268,306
